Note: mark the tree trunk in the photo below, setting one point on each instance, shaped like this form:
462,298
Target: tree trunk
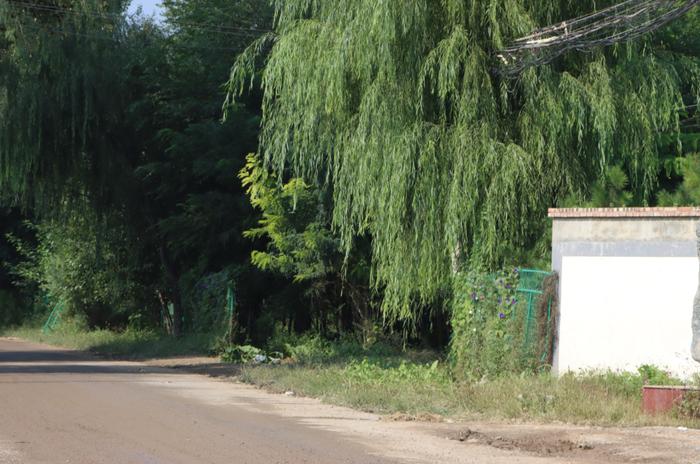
173,281
695,350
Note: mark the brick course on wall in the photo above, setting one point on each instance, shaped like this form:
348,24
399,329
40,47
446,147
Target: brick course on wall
679,212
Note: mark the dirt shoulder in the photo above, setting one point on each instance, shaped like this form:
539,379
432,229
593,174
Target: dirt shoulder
403,437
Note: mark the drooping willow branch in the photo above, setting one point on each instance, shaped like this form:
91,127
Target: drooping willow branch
619,23
393,109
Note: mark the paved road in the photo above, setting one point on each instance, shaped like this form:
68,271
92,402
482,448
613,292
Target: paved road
65,407
60,406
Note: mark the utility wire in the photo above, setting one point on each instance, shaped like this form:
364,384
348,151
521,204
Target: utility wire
210,28
112,38
622,22
113,17
107,15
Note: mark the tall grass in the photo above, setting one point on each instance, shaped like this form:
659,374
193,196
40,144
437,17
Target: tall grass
386,381
600,399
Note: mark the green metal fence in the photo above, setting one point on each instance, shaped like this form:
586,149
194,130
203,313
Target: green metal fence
54,317
230,314
531,287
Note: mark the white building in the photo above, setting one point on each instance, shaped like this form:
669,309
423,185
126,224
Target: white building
628,277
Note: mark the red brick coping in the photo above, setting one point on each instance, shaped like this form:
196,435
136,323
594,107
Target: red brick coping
674,212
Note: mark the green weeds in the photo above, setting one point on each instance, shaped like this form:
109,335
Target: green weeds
417,384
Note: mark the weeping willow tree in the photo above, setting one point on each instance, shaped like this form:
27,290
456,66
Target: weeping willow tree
60,97
400,109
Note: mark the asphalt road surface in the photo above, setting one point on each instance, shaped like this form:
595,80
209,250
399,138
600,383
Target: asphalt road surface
66,407
59,406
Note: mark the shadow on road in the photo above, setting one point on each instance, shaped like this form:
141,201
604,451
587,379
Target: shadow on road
30,356
49,361
17,357
80,369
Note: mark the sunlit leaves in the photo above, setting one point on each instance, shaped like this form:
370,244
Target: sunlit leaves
399,109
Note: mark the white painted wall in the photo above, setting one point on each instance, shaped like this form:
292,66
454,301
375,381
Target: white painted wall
621,312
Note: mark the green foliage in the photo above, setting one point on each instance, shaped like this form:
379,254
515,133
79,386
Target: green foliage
301,245
368,373
396,108
688,193
241,354
88,263
420,385
611,189
488,327
293,220
61,109
121,118
653,375
689,407
304,349
14,304
194,209
312,349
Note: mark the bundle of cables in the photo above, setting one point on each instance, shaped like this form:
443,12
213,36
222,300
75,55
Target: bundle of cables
619,23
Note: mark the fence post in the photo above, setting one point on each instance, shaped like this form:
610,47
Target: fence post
230,314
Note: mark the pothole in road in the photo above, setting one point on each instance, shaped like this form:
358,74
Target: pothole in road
540,445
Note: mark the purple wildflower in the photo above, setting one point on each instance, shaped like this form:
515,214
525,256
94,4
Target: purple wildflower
501,315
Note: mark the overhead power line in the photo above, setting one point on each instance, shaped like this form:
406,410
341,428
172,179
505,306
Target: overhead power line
113,38
212,28
623,22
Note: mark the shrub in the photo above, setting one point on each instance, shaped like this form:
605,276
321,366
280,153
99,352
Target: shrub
489,327
240,353
244,354
312,348
91,264
689,407
653,375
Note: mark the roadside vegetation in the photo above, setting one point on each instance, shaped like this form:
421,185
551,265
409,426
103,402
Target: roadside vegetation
429,392
131,344
226,181
421,385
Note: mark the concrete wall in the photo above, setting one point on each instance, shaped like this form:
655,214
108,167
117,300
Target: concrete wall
627,282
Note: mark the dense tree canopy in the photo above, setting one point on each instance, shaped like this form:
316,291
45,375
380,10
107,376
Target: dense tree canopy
390,149
111,139
60,98
400,109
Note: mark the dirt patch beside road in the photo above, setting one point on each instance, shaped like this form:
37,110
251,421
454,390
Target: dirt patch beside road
543,445
587,444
